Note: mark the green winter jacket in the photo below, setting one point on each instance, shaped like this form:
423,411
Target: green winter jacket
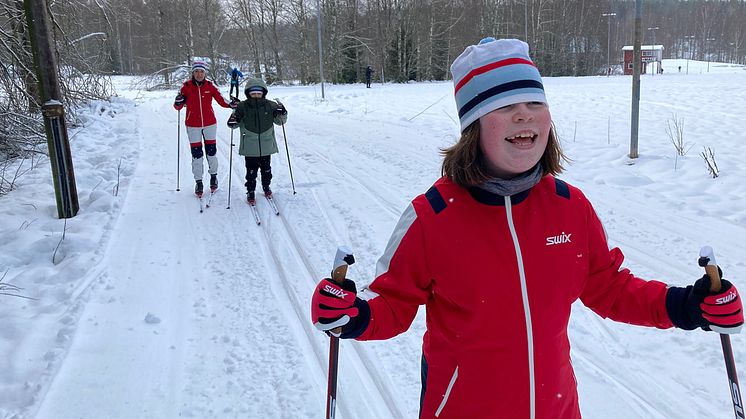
255,118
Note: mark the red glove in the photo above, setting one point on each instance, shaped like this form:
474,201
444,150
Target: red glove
179,101
696,306
724,310
334,305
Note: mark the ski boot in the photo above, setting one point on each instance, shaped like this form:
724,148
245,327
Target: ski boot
198,189
268,192
250,198
213,183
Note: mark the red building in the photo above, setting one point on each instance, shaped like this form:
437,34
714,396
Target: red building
651,55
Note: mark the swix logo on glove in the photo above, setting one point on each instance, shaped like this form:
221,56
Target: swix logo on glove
724,310
728,298
335,291
333,306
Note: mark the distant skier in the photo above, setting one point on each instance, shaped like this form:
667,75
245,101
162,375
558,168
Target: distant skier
498,250
236,76
256,117
197,94
368,75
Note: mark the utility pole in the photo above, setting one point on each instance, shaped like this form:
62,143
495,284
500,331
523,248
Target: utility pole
735,53
321,53
45,61
707,51
637,64
655,51
608,17
690,39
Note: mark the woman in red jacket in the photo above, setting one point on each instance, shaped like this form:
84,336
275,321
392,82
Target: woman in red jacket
498,249
197,94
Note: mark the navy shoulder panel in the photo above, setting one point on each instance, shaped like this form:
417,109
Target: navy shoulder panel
435,199
561,188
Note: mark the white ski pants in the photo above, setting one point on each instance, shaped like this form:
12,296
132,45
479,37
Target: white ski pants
196,135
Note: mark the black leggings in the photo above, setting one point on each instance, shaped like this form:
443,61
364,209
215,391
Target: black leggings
231,91
254,164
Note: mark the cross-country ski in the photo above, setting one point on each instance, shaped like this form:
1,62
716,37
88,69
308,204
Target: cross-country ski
210,196
272,204
254,211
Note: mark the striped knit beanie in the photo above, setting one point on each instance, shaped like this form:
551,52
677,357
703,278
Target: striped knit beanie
493,74
255,85
199,65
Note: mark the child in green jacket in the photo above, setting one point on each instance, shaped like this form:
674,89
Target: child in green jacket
256,117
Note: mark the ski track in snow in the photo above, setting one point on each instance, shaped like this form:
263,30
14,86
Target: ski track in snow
287,253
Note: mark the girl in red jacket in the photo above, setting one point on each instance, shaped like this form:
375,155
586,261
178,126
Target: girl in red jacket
498,249
197,94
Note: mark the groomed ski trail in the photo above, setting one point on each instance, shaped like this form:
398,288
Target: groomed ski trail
362,390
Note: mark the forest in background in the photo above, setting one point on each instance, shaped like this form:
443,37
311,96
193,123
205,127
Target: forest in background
401,39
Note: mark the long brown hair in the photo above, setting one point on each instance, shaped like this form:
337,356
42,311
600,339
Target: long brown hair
464,162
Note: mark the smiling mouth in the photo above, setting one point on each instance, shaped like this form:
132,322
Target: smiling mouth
522,138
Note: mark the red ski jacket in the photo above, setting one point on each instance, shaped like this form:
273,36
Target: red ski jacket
199,102
498,276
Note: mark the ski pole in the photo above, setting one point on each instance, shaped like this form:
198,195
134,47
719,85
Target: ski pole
230,171
342,260
292,182
178,147
707,261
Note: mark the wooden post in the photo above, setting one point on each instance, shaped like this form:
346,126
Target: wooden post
45,62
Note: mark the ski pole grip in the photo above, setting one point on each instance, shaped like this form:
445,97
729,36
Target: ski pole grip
342,260
707,261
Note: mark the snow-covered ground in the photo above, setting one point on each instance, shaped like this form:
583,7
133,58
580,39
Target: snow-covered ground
149,309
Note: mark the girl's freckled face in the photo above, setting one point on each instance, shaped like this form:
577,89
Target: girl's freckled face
514,137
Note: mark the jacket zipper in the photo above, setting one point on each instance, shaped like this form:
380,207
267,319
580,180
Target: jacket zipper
526,308
448,393
258,130
199,95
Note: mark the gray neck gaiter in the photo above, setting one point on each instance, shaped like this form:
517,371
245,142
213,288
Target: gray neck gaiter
518,184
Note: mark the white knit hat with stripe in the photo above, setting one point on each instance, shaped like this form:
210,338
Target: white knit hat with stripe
493,74
199,65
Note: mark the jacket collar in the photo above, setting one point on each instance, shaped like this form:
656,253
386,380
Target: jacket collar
489,198
255,103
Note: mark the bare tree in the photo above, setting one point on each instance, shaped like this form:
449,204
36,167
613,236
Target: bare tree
84,66
243,14
300,35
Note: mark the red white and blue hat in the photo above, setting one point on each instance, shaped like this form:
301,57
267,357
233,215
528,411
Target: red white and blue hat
493,74
199,65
